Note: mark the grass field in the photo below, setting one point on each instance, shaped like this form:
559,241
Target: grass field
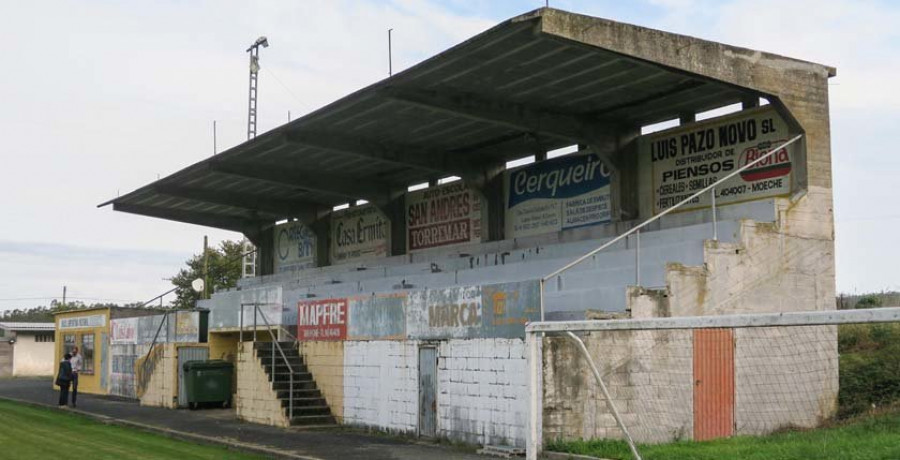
863,438
34,433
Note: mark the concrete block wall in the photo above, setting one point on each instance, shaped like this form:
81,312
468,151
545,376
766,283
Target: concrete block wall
162,389
255,401
649,376
381,385
482,394
325,360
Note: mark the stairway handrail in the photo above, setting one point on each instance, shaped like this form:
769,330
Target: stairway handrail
652,219
256,311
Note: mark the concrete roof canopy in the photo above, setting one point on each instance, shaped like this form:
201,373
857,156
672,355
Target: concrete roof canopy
540,81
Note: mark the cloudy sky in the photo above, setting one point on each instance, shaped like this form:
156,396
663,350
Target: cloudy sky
101,97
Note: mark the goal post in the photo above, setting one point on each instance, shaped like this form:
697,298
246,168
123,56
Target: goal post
702,377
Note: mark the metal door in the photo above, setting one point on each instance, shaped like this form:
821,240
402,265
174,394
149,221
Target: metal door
713,384
186,354
427,391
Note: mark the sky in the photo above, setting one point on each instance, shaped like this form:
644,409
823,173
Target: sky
102,97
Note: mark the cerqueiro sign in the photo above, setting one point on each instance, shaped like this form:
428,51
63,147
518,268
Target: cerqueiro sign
558,194
322,319
686,160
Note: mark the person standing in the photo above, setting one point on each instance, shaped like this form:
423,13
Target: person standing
63,379
76,368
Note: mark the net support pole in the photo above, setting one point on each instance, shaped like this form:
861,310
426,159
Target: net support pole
534,434
609,402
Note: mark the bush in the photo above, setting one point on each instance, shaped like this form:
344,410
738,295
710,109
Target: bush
869,367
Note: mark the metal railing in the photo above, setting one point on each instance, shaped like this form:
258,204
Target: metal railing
275,344
636,230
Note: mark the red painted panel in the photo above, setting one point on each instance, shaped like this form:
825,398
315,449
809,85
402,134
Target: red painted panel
713,383
322,319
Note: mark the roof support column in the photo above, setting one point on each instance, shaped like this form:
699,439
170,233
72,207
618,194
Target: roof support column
264,240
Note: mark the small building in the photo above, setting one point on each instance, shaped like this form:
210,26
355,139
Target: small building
26,349
89,330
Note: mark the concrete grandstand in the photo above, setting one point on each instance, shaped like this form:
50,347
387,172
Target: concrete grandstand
407,313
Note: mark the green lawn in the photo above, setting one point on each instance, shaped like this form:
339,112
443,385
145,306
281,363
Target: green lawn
867,437
34,433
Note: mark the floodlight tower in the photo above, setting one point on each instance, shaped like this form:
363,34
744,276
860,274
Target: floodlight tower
254,72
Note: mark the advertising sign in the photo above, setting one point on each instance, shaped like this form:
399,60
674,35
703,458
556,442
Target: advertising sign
443,216
295,247
322,319
269,303
359,232
123,331
549,196
187,326
685,160
83,322
454,312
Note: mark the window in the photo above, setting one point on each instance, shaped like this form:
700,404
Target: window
68,344
2,332
44,337
87,353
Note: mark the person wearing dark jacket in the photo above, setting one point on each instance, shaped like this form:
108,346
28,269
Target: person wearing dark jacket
63,380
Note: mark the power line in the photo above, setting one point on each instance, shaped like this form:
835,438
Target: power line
278,80
11,299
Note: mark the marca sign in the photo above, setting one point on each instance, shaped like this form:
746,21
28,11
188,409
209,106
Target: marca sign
360,232
295,247
443,216
685,160
322,319
558,194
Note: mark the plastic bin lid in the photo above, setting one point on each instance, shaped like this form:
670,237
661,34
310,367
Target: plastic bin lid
209,364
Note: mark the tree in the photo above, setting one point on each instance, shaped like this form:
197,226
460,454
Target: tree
224,272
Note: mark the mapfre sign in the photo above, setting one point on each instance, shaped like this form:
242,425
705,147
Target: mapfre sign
685,160
322,319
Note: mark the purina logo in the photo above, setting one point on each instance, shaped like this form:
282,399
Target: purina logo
564,177
776,165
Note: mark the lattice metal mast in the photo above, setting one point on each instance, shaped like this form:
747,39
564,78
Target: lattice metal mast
254,77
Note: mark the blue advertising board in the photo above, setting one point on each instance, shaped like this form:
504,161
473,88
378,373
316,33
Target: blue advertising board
565,192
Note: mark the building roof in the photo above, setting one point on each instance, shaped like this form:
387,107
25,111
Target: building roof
532,83
22,326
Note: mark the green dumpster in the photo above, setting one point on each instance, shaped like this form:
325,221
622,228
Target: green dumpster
208,382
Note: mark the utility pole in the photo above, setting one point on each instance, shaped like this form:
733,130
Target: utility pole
215,148
205,267
254,73
64,296
390,58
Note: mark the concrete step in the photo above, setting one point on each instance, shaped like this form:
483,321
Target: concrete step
307,385
305,420
306,411
303,402
285,385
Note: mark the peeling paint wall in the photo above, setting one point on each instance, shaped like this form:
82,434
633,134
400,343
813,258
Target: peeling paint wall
649,377
162,388
482,393
255,400
381,385
325,360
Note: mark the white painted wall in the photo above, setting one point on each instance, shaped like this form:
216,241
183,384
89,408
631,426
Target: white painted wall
381,384
482,393
31,357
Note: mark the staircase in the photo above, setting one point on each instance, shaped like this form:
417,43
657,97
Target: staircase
310,408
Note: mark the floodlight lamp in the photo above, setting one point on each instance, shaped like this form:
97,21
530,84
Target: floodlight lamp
262,41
